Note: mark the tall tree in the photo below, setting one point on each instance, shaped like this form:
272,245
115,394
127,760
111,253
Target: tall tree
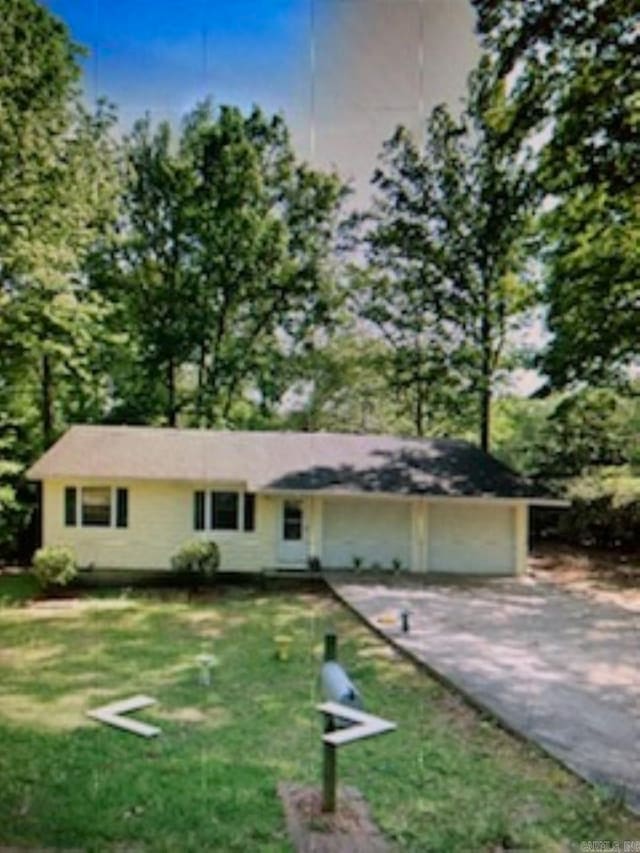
51,320
572,72
443,248
144,275
38,77
224,264
404,290
266,227
56,195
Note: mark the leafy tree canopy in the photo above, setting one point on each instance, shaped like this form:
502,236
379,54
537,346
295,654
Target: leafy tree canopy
445,281
572,73
56,196
569,434
223,268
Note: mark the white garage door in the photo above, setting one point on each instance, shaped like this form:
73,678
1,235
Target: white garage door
378,532
471,539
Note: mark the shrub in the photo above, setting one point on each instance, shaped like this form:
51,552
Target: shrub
601,523
598,522
197,557
54,564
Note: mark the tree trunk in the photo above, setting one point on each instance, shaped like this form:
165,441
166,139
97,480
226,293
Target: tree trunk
485,389
485,416
47,402
172,413
202,380
419,412
485,378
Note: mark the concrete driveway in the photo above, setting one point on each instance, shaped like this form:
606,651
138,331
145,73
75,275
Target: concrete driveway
559,668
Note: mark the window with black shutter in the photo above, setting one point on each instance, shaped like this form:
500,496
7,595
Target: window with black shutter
122,507
96,506
249,511
198,510
70,506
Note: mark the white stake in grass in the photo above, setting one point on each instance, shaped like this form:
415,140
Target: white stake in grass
112,715
206,663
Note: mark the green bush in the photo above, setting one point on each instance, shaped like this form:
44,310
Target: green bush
197,557
54,564
600,522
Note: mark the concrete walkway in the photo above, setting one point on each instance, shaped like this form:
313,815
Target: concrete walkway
558,668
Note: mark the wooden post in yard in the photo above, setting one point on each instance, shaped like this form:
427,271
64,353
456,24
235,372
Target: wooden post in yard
329,752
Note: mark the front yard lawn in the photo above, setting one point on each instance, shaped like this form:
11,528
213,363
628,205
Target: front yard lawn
446,780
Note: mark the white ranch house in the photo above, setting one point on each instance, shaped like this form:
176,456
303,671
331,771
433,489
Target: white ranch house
128,498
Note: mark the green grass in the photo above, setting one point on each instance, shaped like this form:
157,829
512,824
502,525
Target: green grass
446,780
18,588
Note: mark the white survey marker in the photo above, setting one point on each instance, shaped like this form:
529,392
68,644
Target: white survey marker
366,725
112,715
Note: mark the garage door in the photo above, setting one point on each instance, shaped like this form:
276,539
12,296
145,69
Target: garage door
471,539
375,531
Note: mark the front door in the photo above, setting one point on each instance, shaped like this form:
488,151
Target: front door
292,542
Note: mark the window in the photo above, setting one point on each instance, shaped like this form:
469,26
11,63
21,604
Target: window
70,506
224,510
96,506
292,520
122,507
249,511
198,510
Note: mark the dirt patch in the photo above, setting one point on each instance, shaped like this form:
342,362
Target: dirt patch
614,578
183,715
73,607
348,830
455,712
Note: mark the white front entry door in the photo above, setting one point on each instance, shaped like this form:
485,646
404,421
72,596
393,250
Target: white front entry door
292,534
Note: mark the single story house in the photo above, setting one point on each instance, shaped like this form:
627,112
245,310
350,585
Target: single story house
129,497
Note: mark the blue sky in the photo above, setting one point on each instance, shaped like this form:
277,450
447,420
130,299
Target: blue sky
165,55
378,63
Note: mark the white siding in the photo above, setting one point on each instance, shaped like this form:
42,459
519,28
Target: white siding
376,530
448,536
473,539
160,521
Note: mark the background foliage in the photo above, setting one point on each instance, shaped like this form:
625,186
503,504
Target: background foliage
203,275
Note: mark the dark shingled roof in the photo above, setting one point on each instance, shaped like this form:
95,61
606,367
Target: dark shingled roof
321,462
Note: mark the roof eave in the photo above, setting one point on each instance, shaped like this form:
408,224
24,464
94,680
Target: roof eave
559,503
328,493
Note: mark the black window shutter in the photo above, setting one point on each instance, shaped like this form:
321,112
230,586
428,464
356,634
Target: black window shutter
70,503
198,510
249,511
122,508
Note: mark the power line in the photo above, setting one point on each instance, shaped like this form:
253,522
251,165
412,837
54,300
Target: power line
312,80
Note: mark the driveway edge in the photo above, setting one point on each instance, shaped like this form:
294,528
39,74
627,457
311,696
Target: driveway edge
476,703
